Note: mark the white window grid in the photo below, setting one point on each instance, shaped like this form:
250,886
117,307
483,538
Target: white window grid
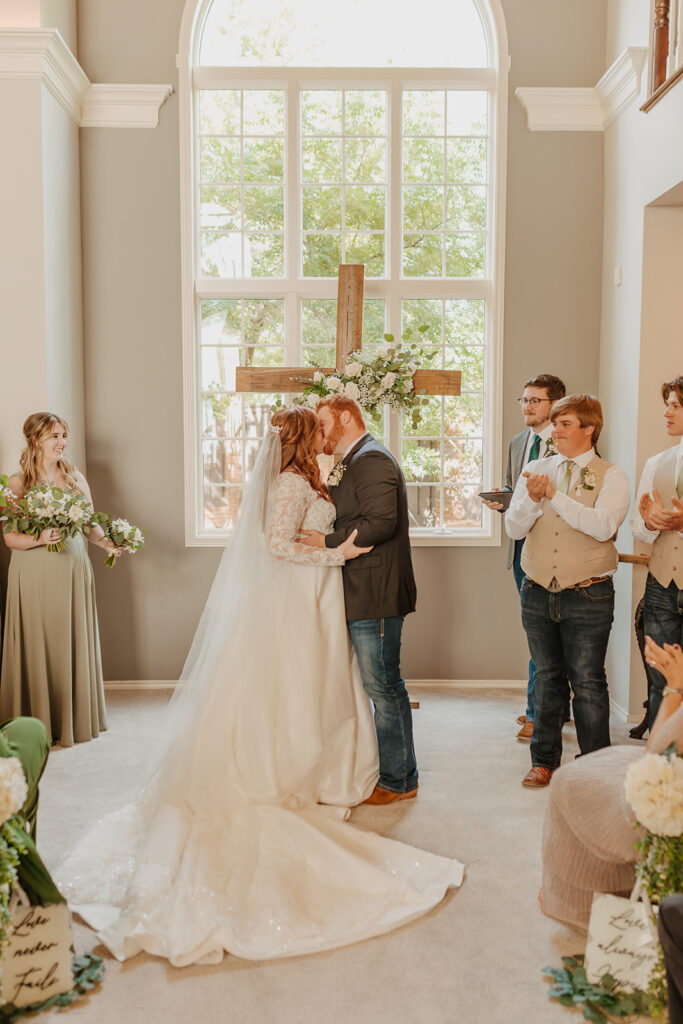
293,288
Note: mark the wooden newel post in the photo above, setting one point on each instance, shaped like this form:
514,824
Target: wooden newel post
660,43
349,310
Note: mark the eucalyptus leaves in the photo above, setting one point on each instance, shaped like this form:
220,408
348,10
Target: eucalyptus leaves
44,507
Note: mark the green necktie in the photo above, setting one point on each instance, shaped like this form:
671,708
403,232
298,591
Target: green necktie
535,449
679,485
565,476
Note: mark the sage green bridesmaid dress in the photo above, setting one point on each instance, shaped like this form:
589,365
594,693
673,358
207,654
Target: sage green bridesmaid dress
51,666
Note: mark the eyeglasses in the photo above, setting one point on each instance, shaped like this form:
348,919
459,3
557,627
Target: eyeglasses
532,401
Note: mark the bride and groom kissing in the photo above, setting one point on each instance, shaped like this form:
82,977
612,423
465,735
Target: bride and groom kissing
238,841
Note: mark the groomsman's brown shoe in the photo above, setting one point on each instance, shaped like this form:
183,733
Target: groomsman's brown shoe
537,777
521,719
385,796
526,732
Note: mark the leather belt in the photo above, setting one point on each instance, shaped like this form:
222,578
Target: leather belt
584,583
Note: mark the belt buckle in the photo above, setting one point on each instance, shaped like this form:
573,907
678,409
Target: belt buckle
554,587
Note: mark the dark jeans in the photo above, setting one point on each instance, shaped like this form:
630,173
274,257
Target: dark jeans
663,621
518,573
568,633
377,643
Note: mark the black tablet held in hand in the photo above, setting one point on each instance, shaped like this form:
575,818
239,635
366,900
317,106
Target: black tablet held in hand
502,497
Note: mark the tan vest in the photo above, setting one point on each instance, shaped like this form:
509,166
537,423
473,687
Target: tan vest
553,548
666,560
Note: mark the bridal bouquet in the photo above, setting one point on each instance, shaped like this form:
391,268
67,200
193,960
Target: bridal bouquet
385,378
125,536
45,507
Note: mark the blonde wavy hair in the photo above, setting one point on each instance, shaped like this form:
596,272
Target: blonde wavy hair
36,428
298,427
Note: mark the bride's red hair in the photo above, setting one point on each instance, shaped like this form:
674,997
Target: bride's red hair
298,427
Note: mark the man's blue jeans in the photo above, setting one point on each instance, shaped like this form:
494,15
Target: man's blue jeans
518,573
663,621
377,643
568,631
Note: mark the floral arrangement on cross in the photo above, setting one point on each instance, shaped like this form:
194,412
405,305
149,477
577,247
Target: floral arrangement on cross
384,377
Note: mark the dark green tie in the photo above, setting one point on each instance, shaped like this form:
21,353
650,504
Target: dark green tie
535,449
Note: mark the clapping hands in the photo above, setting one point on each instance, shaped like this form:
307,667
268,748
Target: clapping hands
538,485
656,517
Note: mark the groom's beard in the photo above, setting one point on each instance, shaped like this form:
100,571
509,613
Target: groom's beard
333,440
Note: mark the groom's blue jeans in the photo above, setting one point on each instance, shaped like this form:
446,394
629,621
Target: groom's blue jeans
377,643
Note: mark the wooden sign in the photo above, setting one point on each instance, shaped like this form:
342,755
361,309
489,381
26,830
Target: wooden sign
37,961
621,942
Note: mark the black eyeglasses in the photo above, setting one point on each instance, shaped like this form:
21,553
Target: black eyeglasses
532,401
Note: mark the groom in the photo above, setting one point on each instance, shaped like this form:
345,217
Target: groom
379,588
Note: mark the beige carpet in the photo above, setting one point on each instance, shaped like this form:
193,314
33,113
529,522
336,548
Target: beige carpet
476,959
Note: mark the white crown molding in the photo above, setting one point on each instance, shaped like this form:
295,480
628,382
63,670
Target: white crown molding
123,106
43,55
586,109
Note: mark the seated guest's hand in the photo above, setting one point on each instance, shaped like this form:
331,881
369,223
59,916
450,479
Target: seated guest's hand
668,660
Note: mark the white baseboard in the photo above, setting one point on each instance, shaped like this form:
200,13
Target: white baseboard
446,684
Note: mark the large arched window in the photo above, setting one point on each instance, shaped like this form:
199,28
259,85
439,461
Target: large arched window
316,133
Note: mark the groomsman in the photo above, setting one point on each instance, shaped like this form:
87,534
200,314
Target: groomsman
534,442
569,508
652,522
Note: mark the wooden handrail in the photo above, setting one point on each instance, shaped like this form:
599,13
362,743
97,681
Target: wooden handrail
635,559
660,43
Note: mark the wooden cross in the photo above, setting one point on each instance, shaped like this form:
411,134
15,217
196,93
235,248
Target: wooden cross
291,379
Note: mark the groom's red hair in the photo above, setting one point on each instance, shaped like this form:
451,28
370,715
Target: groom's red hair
337,404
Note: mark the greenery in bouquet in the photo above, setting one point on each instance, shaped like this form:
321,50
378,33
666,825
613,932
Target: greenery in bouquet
374,379
125,536
13,793
45,507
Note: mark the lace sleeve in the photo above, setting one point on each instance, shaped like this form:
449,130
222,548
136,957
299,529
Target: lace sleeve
292,498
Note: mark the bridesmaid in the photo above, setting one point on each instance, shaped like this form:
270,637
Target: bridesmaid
51,666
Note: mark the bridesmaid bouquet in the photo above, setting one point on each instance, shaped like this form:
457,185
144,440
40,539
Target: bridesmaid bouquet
45,507
13,793
125,536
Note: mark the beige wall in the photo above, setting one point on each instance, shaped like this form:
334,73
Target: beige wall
643,161
131,271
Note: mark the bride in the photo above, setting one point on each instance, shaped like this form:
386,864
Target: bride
238,841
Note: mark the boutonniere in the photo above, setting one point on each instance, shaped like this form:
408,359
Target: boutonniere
337,472
587,481
550,448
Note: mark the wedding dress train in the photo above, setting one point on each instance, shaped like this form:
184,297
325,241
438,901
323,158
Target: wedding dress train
239,841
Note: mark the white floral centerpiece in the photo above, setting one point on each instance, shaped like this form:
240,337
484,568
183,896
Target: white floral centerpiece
654,789
373,380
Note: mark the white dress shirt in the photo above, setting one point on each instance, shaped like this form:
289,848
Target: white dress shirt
600,522
544,435
646,485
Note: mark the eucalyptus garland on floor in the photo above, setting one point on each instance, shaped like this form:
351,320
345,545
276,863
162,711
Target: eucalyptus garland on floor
88,971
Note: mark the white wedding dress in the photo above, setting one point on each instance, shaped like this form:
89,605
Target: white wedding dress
238,842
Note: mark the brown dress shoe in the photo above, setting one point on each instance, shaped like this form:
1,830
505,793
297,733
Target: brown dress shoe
384,796
537,777
521,719
526,732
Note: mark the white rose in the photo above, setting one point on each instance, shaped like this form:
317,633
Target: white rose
383,351
388,380
408,386
352,390
333,384
654,789
353,369
317,377
13,787
75,514
312,401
